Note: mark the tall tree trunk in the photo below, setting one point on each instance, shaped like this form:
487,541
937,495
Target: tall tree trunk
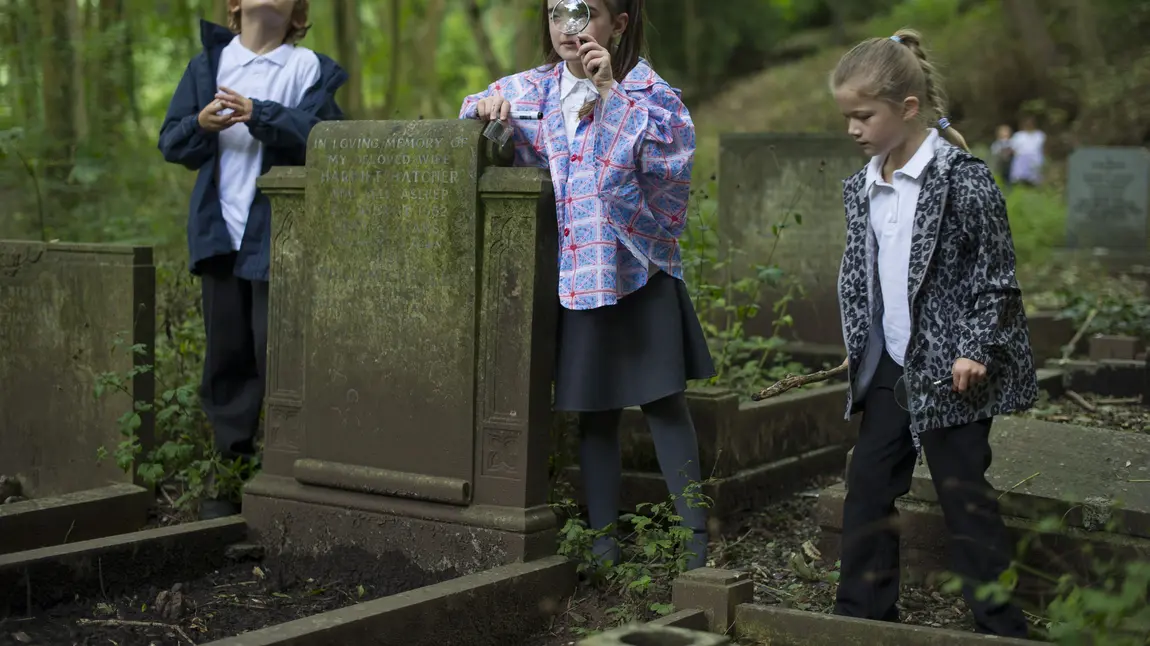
429,61
1028,21
23,62
111,85
58,86
483,40
1086,32
394,22
220,15
527,38
692,25
346,16
77,27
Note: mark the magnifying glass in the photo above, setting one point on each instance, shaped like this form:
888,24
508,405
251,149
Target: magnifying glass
571,17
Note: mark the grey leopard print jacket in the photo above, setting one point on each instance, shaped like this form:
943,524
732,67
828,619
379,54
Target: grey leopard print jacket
965,300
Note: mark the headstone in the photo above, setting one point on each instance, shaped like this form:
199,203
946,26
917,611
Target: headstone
62,307
410,346
764,177
1108,199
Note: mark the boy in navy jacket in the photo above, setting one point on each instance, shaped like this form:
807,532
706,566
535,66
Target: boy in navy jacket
246,103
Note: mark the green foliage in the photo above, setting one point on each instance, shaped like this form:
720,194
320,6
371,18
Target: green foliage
1037,224
1107,605
1118,307
183,456
726,297
655,548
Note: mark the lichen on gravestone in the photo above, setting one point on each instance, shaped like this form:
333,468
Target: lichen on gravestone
13,261
1097,512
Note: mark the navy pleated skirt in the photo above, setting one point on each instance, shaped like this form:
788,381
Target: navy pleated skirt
642,349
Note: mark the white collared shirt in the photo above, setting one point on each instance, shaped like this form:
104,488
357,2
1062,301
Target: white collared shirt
282,75
892,210
574,93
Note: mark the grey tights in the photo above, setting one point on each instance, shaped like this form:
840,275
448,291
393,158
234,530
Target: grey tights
677,450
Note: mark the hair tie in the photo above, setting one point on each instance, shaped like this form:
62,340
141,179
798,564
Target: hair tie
896,38
943,123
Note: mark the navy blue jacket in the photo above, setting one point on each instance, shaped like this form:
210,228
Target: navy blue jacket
283,131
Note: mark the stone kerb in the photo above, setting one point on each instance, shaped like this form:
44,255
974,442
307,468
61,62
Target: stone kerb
1088,478
753,452
412,334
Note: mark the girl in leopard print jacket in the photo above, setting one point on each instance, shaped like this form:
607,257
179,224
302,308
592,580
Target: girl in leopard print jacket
936,335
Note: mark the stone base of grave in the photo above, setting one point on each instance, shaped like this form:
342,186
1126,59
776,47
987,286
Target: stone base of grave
746,490
1089,479
286,516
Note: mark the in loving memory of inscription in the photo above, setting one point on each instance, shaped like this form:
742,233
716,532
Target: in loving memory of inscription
408,180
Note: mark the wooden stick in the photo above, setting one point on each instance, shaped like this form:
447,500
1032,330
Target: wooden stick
1078,399
791,382
1118,401
1068,349
138,624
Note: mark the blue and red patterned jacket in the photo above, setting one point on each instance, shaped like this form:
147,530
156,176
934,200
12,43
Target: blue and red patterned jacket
626,175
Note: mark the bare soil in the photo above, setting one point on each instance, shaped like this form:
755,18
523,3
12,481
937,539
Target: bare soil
1115,413
250,594
778,547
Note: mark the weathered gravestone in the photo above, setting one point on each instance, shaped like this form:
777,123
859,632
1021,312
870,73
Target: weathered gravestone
62,307
1108,203
411,345
762,179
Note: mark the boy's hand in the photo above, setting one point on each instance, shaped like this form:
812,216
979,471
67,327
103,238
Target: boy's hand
240,105
211,120
966,374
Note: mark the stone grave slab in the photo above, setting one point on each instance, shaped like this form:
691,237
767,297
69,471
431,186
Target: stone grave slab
1094,480
61,309
1108,199
764,176
412,322
1091,476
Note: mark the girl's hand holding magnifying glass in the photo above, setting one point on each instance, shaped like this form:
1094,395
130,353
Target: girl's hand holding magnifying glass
597,63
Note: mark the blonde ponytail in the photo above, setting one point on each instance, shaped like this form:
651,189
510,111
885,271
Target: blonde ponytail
935,95
895,68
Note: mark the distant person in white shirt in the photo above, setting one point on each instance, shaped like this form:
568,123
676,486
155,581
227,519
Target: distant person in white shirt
246,103
1028,154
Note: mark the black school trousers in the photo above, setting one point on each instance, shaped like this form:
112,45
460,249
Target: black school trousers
880,471
236,323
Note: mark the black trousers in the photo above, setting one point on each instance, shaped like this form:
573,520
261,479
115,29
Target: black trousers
236,323
880,472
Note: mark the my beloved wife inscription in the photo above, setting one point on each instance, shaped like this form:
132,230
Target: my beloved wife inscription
410,348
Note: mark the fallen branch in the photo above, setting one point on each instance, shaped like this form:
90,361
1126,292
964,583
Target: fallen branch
1118,401
791,382
1078,399
1068,349
1019,484
138,624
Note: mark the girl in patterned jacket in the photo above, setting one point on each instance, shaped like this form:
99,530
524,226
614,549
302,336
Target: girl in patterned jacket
936,335
619,145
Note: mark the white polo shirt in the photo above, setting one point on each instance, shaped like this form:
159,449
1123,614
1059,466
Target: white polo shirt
892,210
282,75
